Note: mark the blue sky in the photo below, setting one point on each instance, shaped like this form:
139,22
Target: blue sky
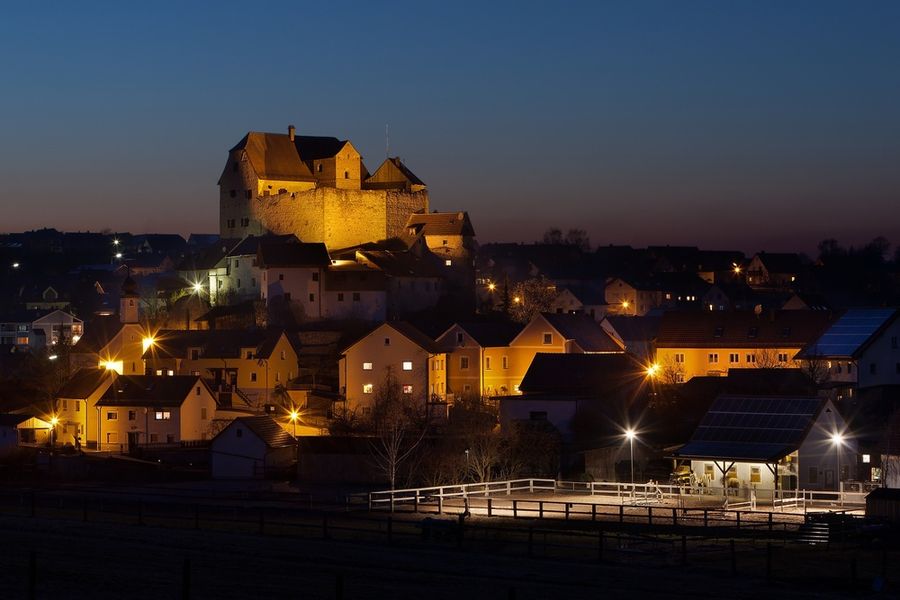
725,124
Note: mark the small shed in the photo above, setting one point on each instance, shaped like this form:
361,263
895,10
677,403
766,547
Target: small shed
9,431
251,448
884,503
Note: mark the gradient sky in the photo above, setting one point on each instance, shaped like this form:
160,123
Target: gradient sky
741,125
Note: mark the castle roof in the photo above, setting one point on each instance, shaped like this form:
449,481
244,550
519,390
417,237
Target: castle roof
312,147
293,255
392,173
274,156
457,223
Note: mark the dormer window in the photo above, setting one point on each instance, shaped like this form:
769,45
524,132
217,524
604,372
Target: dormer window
752,332
718,331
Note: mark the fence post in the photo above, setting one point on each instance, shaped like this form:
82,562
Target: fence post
392,500
508,487
370,501
770,521
515,509
674,516
416,501
568,505
490,507
531,486
593,511
540,509
737,515
705,518
649,515
440,500
186,579
621,513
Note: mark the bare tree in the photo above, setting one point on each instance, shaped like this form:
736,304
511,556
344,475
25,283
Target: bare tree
399,424
767,358
531,297
671,372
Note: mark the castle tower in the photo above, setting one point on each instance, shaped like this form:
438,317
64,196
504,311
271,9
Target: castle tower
128,301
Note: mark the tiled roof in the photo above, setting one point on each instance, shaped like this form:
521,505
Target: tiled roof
313,147
588,294
149,390
390,173
457,223
581,374
720,329
491,335
274,156
84,382
268,430
400,264
852,333
408,331
249,246
643,328
295,254
214,343
354,278
584,331
97,334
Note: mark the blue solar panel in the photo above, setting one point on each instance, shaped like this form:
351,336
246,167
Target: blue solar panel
752,428
850,332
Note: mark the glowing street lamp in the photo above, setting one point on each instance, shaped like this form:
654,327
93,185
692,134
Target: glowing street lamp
294,416
119,255
838,440
54,421
630,434
492,287
15,265
652,370
148,342
197,287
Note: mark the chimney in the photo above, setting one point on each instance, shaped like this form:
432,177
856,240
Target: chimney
291,131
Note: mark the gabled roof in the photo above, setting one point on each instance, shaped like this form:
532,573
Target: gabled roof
408,331
392,173
354,278
266,429
588,294
457,223
643,328
214,343
314,147
150,390
400,264
753,428
584,331
851,334
721,329
778,262
274,156
12,420
296,254
581,374
488,335
249,246
85,382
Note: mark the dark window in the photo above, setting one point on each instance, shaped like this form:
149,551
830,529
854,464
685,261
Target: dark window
198,390
232,193
346,174
315,276
340,296
195,353
132,415
387,341
356,296
753,332
253,376
718,332
287,296
312,297
281,277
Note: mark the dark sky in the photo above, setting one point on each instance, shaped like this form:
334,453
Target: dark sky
740,125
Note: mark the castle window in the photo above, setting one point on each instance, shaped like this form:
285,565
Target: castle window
245,221
445,242
346,174
448,262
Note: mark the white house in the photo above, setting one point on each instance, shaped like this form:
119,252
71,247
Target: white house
250,448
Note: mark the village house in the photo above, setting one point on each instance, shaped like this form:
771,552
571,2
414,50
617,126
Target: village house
294,272
691,344
354,291
252,448
479,358
774,270
242,367
142,410
397,350
76,405
631,298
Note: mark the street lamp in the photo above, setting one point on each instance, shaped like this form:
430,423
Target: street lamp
54,421
294,416
652,370
838,440
630,434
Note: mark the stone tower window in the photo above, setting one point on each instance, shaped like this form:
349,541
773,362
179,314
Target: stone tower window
346,174
319,167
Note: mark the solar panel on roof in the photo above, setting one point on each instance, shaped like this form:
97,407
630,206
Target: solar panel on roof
850,332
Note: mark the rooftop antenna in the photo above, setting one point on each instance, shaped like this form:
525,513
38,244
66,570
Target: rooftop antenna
387,142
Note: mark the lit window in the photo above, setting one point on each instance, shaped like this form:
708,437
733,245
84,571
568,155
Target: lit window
679,357
463,362
448,262
407,388
487,363
163,415
253,376
505,362
516,388
867,458
111,416
755,475
407,365
714,357
368,388
367,366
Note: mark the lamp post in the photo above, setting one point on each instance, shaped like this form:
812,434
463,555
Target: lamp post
294,416
837,439
630,434
54,421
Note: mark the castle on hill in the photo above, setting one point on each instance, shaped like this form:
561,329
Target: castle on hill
316,188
